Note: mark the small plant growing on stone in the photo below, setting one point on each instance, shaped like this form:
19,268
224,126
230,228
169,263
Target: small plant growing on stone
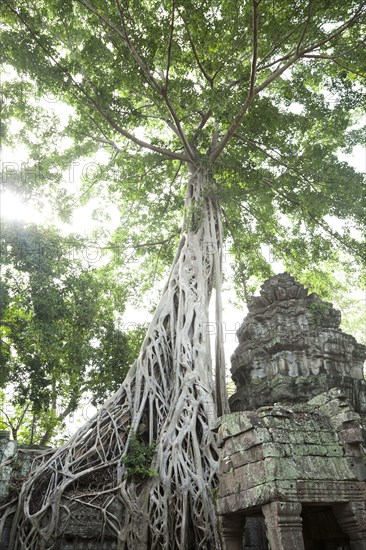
139,457
319,310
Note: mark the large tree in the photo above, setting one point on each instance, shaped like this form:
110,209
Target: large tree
236,98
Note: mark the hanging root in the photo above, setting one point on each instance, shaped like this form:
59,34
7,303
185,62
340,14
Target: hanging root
166,400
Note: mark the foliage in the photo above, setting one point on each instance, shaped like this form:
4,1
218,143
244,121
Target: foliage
58,330
319,310
278,176
139,456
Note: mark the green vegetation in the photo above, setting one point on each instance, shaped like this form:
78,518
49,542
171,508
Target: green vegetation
139,456
59,331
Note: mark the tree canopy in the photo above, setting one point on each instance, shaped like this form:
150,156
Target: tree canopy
223,121
266,94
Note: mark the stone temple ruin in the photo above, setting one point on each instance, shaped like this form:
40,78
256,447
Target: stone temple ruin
292,467
292,474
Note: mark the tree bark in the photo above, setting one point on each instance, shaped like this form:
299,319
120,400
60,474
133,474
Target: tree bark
167,399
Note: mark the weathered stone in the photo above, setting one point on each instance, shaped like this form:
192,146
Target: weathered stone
294,465
246,476
291,349
246,440
351,435
352,518
276,450
232,532
283,436
284,525
234,424
7,452
240,458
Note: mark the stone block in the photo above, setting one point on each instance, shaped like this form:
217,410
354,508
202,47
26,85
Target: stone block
276,450
7,452
242,478
245,441
358,466
229,484
310,450
324,438
240,458
232,445
284,436
7,449
253,497
333,450
280,468
284,525
357,372
233,424
344,417
308,467
328,491
351,435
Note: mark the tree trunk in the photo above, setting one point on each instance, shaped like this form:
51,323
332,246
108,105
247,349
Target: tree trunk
167,399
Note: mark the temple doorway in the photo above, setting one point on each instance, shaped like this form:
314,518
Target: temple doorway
321,530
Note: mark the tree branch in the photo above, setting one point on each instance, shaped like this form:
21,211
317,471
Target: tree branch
10,424
275,47
321,223
255,46
106,141
292,58
357,15
144,144
93,104
349,23
3,343
19,423
170,43
279,161
251,94
144,69
7,324
347,68
170,191
154,243
204,118
305,27
209,78
60,418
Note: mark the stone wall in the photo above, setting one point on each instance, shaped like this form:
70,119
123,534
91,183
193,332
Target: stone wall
283,462
313,449
7,451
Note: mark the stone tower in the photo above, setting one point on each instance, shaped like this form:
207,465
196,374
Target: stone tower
292,452
291,349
